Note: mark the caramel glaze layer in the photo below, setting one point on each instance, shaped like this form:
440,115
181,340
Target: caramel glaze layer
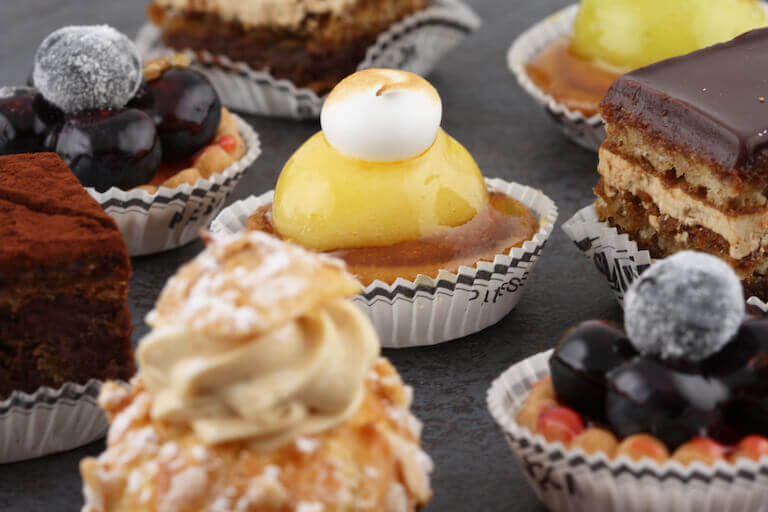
571,80
505,224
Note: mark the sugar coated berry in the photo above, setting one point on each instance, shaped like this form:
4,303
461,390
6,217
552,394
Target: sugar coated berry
687,306
82,68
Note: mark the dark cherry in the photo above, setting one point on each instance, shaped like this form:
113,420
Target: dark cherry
186,109
581,361
743,367
26,120
107,148
672,402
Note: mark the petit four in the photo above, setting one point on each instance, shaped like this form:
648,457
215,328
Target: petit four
669,415
610,37
688,375
384,188
682,167
116,122
260,388
64,274
313,44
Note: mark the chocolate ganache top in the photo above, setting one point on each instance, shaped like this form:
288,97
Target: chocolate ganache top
712,102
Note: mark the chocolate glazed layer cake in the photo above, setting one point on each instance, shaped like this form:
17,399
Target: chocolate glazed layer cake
685,164
312,43
64,272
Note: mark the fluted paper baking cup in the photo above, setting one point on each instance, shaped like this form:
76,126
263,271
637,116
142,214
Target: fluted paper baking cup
588,132
429,310
172,217
50,421
615,255
414,44
571,481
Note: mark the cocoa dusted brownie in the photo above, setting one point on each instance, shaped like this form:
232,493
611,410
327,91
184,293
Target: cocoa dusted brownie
64,272
312,44
685,163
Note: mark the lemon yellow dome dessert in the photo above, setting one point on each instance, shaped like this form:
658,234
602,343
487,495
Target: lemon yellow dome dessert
384,188
260,388
611,37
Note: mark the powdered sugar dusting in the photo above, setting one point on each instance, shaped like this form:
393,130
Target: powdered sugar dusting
687,306
87,67
186,487
307,444
250,282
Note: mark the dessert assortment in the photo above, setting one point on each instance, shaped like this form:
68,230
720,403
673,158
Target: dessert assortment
569,61
261,384
279,58
682,390
260,387
125,128
385,189
682,165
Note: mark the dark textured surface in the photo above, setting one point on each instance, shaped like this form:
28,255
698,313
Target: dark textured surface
509,136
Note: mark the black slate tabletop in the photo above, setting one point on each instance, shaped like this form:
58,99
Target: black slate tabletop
509,135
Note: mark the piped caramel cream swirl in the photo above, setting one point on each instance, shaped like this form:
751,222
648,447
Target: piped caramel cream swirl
301,378
274,378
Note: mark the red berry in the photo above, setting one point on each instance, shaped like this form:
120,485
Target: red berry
228,143
701,449
559,424
753,447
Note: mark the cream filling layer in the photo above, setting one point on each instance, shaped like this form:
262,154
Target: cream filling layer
283,13
745,233
302,378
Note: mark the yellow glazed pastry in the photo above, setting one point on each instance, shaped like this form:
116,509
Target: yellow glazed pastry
384,188
260,388
328,199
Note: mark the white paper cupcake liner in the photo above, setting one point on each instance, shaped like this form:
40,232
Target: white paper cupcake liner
414,44
616,256
588,132
428,311
172,217
50,421
571,481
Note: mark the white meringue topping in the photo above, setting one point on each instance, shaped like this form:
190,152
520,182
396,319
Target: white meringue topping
382,115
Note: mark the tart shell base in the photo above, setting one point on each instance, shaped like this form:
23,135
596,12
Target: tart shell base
568,481
428,311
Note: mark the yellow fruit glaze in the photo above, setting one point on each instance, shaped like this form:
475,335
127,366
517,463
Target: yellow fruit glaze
627,34
326,201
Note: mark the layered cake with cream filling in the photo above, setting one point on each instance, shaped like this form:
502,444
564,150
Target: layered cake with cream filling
685,164
312,43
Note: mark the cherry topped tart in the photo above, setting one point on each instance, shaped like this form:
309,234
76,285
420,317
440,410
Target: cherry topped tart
611,37
384,188
116,122
689,377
